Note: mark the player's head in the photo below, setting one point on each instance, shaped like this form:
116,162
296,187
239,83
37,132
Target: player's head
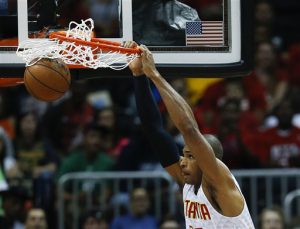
215,144
190,169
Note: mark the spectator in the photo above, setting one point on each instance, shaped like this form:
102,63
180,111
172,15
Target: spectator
8,166
170,223
37,160
268,80
251,101
13,205
233,133
271,218
95,220
35,156
138,218
264,17
90,156
279,146
264,14
114,142
265,20
36,219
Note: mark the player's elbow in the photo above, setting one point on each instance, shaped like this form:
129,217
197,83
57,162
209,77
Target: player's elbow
189,129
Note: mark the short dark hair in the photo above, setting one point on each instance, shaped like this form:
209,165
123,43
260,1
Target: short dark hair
215,144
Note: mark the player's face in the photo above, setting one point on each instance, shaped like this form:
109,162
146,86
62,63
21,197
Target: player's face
190,170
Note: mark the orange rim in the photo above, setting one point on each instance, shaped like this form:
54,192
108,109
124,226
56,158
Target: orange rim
10,82
74,66
97,43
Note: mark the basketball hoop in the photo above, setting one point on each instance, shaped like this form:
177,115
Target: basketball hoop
77,47
10,82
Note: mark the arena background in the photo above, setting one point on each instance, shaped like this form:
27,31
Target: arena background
257,119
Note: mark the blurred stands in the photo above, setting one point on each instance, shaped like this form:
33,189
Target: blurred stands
241,112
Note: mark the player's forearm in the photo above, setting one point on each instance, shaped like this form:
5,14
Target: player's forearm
145,103
180,112
160,139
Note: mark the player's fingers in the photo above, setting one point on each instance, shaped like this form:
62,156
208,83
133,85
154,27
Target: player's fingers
143,51
145,48
142,48
126,44
129,44
146,51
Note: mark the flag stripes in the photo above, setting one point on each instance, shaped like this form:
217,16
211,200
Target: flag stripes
204,33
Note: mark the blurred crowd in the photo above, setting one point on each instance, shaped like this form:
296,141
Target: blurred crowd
95,127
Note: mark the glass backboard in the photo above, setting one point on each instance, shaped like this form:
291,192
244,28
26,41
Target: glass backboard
189,38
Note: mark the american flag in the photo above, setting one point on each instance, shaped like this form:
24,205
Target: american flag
200,33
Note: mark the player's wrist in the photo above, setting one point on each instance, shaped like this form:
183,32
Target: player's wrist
140,77
138,74
153,74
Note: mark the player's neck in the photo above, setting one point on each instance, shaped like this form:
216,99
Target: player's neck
197,186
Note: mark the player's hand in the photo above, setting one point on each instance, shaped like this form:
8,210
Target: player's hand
135,66
148,63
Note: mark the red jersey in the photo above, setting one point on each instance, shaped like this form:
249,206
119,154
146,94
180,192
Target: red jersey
278,148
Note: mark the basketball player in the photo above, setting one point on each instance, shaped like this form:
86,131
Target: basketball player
211,195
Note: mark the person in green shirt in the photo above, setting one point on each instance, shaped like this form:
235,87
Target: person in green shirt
90,156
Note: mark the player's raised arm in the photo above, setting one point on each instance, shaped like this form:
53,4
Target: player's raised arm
161,141
183,118
208,182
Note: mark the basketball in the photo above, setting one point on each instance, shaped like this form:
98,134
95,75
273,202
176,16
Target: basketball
48,79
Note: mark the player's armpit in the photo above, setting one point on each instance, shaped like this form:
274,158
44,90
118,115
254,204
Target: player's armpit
222,177
175,172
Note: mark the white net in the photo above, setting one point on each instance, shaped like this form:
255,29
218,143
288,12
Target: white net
32,50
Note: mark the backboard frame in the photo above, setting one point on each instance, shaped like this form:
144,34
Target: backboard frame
238,66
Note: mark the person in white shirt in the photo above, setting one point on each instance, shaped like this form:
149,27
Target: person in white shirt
211,195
